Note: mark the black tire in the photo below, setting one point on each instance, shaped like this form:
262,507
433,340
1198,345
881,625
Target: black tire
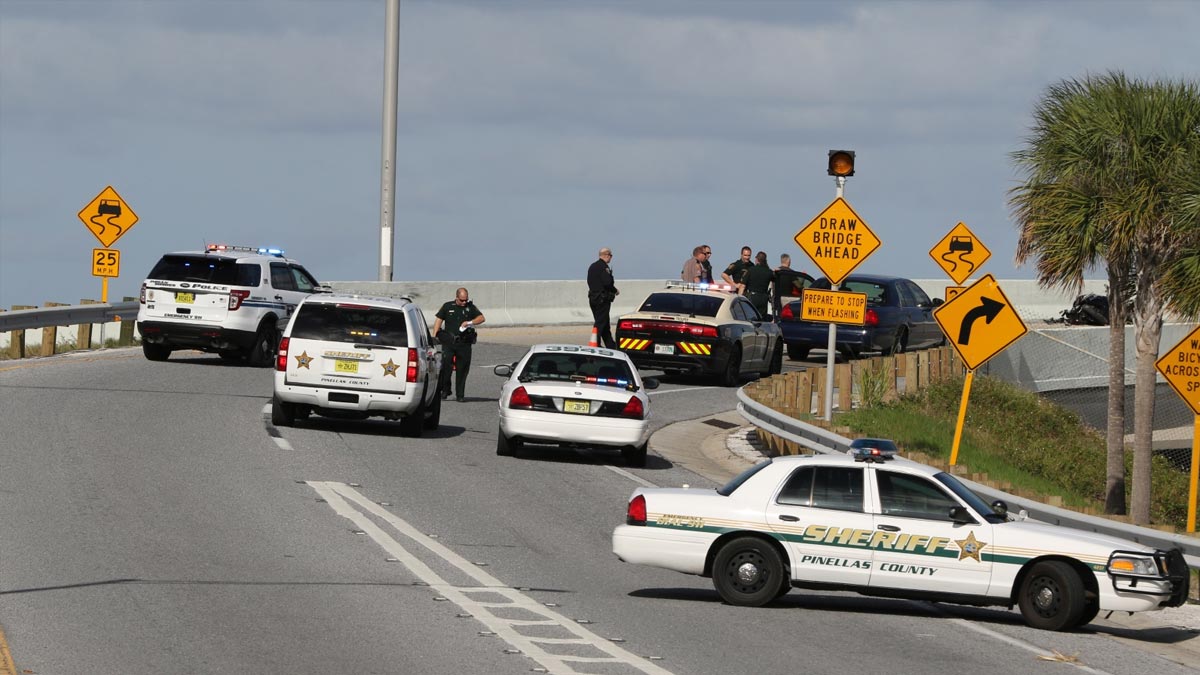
797,353
434,417
731,375
1052,596
412,424
155,352
748,572
1090,609
230,355
262,352
283,414
775,366
634,455
506,447
899,344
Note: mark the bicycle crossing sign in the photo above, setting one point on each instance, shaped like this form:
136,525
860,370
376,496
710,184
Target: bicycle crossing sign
980,322
108,217
1180,367
960,253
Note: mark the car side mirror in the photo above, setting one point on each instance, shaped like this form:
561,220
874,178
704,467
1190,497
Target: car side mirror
323,288
1000,508
503,370
938,302
650,383
960,515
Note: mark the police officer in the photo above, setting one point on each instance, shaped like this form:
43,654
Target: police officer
460,317
757,281
733,273
601,293
706,276
789,284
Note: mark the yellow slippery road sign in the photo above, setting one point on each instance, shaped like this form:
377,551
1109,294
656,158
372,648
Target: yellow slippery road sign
980,322
1181,368
837,240
108,217
959,253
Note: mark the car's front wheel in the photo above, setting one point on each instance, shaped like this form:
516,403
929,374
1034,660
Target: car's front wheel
748,572
1052,597
797,353
262,352
731,376
775,367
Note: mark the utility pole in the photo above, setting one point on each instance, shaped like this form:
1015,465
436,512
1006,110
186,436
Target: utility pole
387,196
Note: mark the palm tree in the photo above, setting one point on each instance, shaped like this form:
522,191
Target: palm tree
1110,177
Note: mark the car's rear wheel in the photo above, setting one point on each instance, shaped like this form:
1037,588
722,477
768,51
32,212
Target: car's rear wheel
155,352
412,424
434,417
748,572
634,455
731,376
506,447
262,352
1052,596
797,353
230,355
283,414
899,343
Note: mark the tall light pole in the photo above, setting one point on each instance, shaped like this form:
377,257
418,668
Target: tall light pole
387,196
841,167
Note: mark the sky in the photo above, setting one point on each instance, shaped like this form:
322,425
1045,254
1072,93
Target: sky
530,134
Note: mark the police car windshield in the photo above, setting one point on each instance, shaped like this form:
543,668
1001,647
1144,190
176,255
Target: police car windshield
354,325
575,367
205,269
692,304
975,501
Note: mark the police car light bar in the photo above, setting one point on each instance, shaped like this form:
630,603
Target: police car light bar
277,252
694,286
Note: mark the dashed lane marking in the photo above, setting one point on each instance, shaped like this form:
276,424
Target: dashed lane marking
339,497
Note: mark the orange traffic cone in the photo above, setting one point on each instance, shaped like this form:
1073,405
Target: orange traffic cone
594,341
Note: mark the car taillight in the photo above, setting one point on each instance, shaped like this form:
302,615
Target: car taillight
702,331
636,515
872,318
236,298
625,325
787,312
410,375
634,409
142,294
520,399
693,329
281,360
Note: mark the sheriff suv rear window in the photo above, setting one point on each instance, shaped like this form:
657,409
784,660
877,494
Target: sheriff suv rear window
692,304
207,269
353,324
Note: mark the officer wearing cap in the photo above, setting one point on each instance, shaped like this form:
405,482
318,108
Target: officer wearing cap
460,317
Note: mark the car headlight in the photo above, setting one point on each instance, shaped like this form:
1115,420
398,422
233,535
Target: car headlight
1135,565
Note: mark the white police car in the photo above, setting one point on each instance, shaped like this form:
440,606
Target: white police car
224,299
571,395
355,357
889,527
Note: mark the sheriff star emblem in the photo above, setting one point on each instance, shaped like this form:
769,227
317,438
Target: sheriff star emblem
303,359
970,547
389,368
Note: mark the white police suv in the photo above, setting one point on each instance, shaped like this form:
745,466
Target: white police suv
894,528
353,357
224,299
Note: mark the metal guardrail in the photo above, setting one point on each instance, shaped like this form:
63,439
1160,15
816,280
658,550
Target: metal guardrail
827,442
25,319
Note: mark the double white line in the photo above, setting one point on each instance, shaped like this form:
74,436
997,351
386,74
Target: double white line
350,504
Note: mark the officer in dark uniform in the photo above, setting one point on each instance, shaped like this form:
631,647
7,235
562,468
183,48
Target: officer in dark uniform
733,273
706,276
757,280
789,284
601,293
460,317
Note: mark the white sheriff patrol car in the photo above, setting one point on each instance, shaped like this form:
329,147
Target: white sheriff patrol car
889,527
574,396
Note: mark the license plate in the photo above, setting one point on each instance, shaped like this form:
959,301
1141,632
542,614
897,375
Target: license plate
581,407
185,298
664,349
345,366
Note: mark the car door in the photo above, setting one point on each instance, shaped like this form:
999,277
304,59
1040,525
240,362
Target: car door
430,352
819,514
918,545
925,327
752,336
283,290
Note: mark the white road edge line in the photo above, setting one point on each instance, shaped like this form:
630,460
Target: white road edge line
622,472
336,495
279,440
676,391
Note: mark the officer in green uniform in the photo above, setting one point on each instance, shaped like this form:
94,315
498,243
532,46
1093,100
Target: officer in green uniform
733,273
457,335
757,280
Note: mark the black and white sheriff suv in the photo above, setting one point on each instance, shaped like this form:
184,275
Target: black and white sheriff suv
224,299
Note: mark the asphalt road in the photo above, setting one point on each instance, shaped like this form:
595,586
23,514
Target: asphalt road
154,522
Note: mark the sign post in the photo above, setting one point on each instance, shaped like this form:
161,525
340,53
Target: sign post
837,240
1180,367
108,218
980,323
